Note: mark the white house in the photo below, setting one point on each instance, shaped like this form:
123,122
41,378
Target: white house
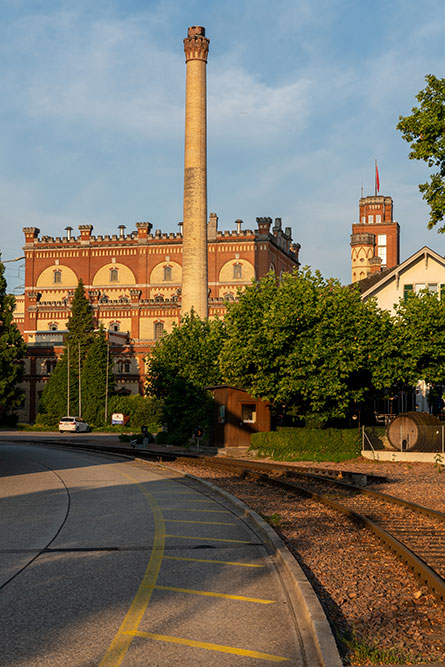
423,270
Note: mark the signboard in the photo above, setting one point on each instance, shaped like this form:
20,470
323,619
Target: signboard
119,418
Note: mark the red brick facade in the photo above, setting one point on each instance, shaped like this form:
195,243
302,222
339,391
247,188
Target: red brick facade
134,284
375,240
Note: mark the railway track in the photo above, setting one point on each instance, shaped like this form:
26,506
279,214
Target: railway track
414,533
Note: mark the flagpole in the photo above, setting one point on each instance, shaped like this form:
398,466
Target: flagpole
375,178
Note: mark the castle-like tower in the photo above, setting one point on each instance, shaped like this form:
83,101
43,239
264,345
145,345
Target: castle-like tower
194,268
375,240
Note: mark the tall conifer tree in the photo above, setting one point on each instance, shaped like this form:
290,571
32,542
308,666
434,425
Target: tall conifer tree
12,352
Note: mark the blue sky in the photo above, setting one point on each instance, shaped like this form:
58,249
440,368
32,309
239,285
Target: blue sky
302,97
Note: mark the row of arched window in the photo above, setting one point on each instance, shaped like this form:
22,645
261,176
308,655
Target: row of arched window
168,273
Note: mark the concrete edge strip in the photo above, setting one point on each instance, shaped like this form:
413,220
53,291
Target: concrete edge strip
301,593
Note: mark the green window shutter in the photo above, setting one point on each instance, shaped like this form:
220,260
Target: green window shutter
442,292
407,289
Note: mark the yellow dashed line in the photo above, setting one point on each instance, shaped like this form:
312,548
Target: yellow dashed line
207,560
123,638
210,647
207,539
174,509
209,523
209,594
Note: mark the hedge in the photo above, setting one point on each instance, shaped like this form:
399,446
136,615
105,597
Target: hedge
308,444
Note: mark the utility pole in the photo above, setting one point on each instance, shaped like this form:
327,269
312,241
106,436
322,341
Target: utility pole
80,383
68,384
106,385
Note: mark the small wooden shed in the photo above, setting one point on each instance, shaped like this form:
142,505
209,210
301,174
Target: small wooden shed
237,415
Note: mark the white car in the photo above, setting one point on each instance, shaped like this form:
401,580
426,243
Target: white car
73,425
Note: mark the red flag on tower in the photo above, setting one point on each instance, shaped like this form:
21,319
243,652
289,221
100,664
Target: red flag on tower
377,180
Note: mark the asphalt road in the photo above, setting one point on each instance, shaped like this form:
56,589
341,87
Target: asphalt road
107,562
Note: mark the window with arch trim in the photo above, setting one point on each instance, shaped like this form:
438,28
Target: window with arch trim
115,326
114,275
237,271
167,272
158,330
57,276
53,326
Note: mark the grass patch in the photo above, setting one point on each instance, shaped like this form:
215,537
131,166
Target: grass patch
373,653
308,444
273,520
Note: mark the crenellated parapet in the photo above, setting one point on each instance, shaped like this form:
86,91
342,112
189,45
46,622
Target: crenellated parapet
196,44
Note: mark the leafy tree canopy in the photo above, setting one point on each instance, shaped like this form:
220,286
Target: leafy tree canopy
81,323
182,364
424,130
94,379
420,335
12,352
308,345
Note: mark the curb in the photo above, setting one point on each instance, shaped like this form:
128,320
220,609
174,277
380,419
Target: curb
301,594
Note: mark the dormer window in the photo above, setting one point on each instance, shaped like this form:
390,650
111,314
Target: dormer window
237,271
57,276
167,272
114,275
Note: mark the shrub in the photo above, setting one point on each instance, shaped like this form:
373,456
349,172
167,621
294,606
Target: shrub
306,444
162,438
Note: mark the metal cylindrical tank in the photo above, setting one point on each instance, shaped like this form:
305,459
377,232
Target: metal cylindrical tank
415,431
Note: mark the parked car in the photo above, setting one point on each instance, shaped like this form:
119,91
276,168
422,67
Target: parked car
73,425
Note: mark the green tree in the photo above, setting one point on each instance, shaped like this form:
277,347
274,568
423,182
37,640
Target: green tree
309,346
182,364
54,400
420,335
424,130
12,353
94,379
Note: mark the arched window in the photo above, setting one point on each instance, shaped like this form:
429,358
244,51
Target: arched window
53,326
158,330
167,272
123,366
229,297
115,326
57,276
237,271
114,275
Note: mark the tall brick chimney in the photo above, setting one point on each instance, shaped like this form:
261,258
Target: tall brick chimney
194,247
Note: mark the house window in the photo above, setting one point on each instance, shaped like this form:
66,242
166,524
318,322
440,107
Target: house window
237,271
407,290
167,272
378,219
115,326
158,330
248,413
57,276
370,218
53,326
419,287
363,219
114,275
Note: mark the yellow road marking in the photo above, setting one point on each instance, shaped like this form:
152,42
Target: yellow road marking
210,647
208,539
123,638
209,523
209,594
175,509
207,560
